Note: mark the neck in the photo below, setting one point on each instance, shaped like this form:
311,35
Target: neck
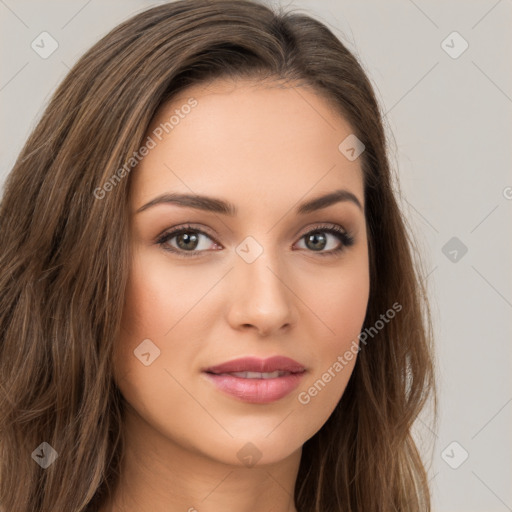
159,475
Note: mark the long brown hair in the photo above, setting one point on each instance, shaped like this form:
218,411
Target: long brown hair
64,260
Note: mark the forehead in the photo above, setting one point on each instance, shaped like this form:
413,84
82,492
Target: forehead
244,140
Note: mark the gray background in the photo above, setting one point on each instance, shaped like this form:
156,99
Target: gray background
449,123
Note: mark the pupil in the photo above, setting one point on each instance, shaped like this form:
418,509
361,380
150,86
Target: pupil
188,237
315,237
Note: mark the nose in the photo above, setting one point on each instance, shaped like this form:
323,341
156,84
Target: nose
262,296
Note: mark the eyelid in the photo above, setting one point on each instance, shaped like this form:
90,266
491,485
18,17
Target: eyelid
320,227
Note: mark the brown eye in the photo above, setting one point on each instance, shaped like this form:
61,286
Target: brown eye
317,240
186,239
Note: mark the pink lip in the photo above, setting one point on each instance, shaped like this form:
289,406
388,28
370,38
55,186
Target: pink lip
253,364
256,390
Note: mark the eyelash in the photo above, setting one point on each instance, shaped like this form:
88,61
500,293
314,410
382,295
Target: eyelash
343,236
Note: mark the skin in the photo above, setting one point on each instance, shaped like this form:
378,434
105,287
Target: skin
264,147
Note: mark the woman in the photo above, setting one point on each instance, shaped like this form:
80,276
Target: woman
208,295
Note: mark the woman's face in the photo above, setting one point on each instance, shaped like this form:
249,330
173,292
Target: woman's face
253,284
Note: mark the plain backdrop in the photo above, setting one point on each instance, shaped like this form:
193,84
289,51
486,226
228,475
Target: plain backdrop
441,70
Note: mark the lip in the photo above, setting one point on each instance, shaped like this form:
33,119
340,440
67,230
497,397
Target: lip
254,364
258,391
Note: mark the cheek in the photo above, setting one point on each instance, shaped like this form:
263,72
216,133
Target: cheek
157,295
340,300
148,314
161,306
341,305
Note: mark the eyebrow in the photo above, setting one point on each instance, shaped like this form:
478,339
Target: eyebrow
215,205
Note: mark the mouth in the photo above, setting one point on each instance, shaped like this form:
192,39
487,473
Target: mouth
255,375
256,381
266,366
